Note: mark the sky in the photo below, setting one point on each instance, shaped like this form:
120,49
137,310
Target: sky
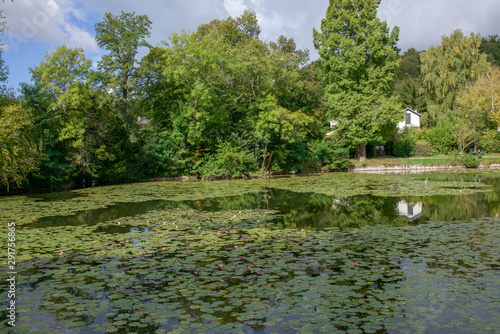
38,27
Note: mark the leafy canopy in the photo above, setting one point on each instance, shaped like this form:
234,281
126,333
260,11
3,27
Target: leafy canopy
121,36
359,59
61,69
449,67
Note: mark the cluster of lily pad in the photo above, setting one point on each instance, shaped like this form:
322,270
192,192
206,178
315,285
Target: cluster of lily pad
26,209
184,270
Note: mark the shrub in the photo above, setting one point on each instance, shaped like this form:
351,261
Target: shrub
490,141
404,145
420,134
229,160
423,149
340,159
440,139
469,160
331,154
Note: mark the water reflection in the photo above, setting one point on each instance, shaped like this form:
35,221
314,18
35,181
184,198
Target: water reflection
317,211
411,211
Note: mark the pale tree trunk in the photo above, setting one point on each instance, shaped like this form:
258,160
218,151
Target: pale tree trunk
361,154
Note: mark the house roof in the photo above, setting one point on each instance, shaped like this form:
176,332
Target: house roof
413,111
143,121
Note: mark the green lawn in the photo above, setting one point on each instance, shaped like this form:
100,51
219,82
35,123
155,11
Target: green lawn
434,160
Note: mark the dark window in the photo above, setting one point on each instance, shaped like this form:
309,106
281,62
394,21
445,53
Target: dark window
408,118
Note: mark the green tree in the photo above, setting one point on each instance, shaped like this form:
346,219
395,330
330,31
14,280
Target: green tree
57,85
477,109
409,86
491,47
281,131
214,81
19,148
463,129
409,65
155,90
482,97
85,139
359,59
449,67
61,69
234,31
122,36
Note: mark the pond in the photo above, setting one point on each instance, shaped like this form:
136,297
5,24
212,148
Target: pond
330,253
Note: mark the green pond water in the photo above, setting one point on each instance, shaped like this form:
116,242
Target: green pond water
331,253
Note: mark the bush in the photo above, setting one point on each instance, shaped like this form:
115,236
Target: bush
423,149
404,145
331,154
440,139
340,159
490,141
469,160
230,160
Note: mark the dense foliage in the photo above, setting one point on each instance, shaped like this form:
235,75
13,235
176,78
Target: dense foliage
359,59
220,102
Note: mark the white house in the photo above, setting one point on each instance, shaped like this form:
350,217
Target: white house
412,119
409,210
333,126
142,121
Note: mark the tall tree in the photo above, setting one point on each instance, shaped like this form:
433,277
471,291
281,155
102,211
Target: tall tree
449,67
409,86
60,69
122,36
359,60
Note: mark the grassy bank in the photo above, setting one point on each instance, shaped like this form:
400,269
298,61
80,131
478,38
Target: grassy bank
434,160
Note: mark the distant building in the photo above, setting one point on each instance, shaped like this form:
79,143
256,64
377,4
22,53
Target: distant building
409,210
412,119
380,151
142,121
333,125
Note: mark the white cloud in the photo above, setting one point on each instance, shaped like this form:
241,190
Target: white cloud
46,21
38,26
424,22
78,37
235,7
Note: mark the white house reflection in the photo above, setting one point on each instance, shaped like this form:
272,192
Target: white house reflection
409,210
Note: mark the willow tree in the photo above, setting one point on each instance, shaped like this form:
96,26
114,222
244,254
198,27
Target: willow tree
448,68
19,148
359,58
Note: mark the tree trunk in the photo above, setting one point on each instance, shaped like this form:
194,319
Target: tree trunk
361,154
269,161
265,156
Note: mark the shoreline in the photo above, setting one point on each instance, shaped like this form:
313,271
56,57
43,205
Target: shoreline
419,168
373,169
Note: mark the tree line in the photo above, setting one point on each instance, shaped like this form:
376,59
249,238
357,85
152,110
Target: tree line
220,102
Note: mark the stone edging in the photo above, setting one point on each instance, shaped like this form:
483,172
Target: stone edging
414,169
